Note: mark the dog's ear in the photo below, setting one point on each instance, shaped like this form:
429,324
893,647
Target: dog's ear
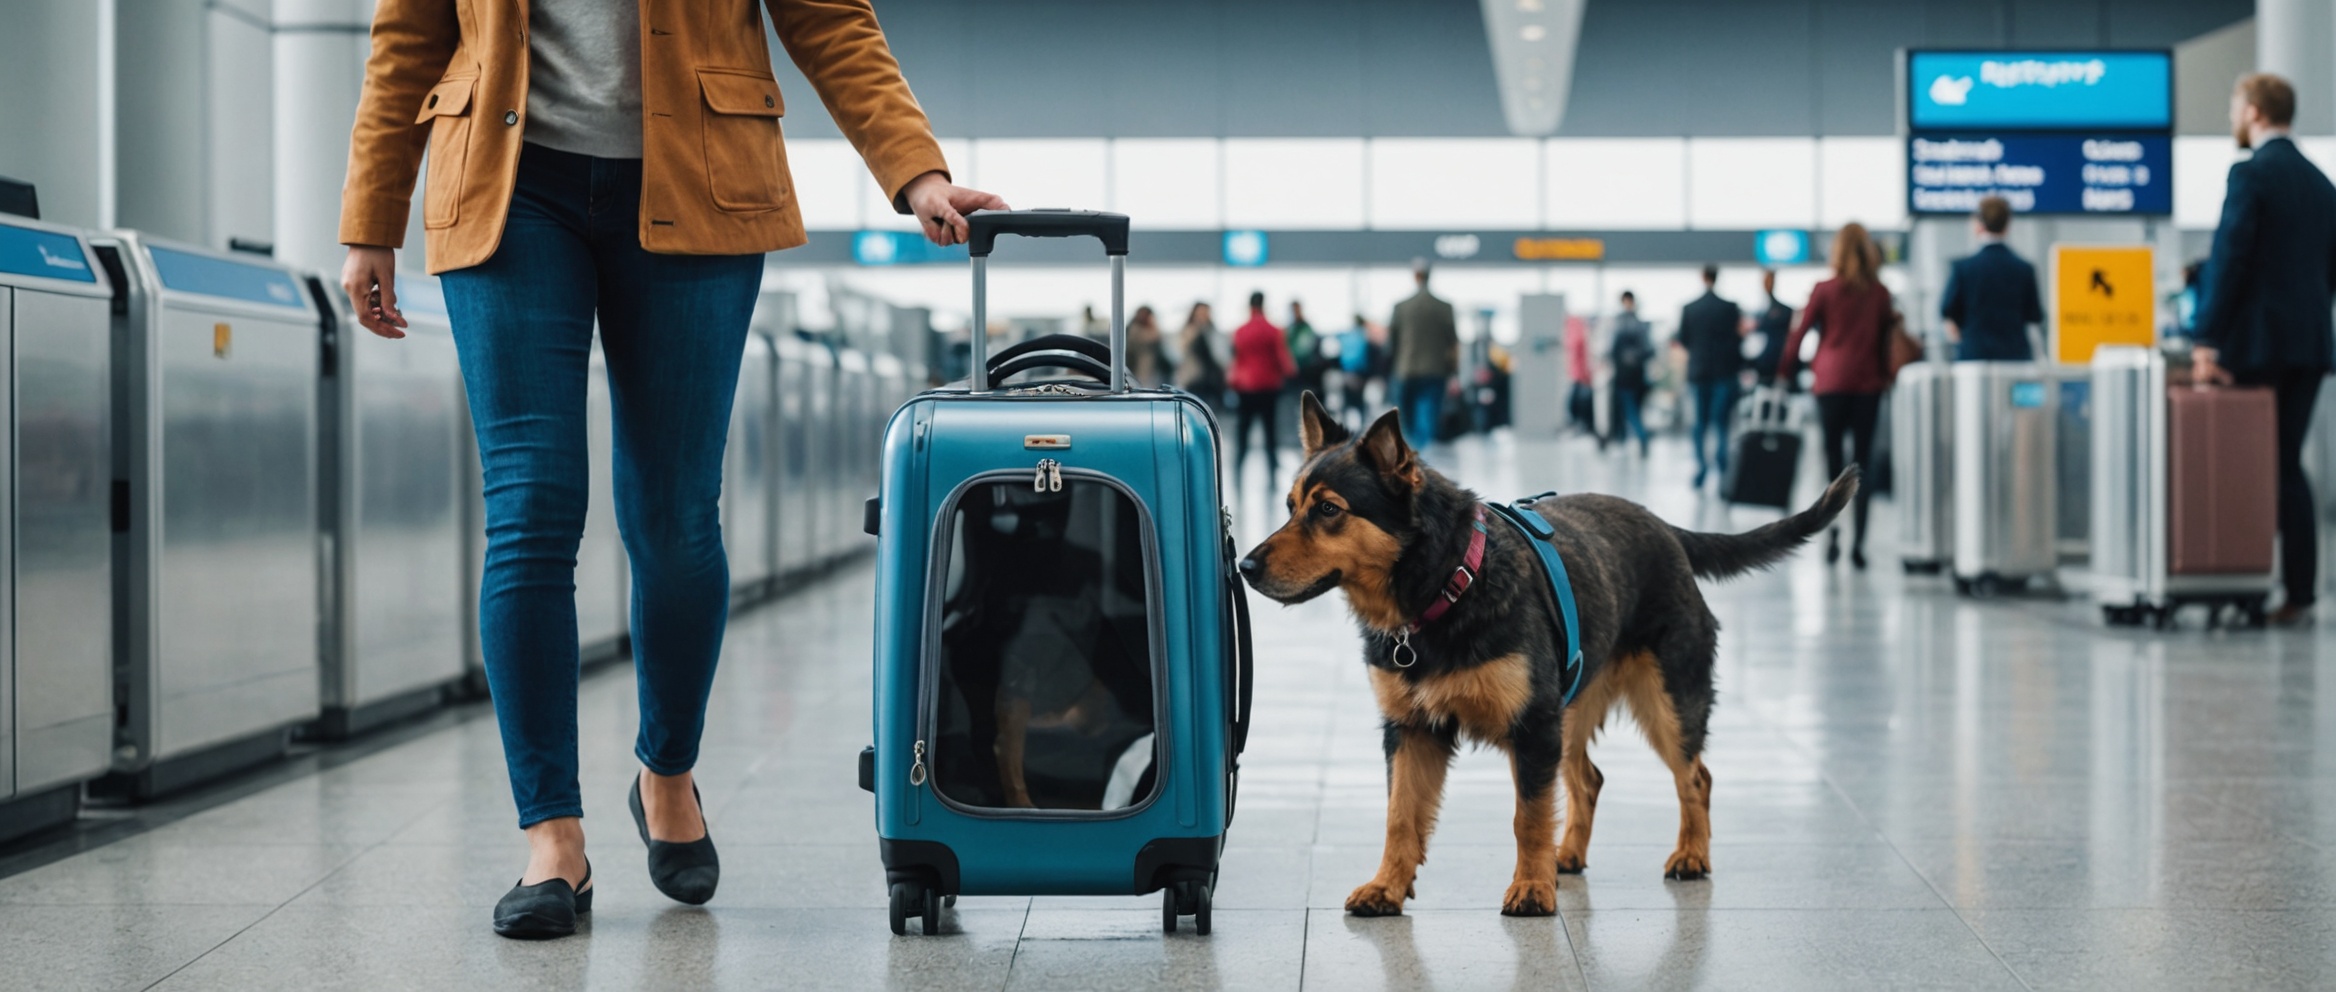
1383,449
1316,427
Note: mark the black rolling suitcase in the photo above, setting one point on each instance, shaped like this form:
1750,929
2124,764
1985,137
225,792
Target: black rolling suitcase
1768,451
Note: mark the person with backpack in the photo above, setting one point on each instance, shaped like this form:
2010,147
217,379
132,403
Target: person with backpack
1632,348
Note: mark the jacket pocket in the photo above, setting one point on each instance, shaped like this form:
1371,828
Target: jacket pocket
447,109
743,170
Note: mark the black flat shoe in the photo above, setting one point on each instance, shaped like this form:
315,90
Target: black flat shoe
685,872
545,910
1857,559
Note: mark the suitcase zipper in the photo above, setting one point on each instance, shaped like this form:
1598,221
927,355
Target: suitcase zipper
1050,477
916,770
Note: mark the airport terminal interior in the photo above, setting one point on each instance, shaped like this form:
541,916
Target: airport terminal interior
1068,646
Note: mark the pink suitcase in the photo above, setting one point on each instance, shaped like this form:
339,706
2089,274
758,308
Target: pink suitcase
2222,480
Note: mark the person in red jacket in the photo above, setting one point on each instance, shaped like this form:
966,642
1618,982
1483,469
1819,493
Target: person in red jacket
1851,315
1261,367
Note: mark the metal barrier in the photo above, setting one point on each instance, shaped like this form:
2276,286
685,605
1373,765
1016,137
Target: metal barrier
390,450
603,576
236,513
790,521
216,566
749,476
56,658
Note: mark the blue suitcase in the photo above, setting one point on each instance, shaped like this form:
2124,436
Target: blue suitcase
1062,672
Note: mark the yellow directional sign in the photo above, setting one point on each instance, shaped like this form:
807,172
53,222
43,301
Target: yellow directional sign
2101,295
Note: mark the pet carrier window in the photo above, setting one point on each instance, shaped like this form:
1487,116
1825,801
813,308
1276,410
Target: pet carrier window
1042,688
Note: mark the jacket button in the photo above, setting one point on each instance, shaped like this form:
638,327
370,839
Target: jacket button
433,101
767,102
510,117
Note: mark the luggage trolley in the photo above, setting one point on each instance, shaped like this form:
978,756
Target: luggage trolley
1061,652
56,625
216,565
2135,512
1921,460
2006,474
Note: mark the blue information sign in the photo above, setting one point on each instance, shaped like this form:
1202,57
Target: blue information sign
1780,247
2042,173
27,251
2045,91
1245,248
187,272
901,248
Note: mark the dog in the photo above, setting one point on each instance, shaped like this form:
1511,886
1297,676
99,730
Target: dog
1369,520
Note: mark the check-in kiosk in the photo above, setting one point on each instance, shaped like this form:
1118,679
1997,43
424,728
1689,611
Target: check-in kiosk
390,450
56,658
216,561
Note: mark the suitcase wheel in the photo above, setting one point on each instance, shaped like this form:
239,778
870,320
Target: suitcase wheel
910,899
1186,899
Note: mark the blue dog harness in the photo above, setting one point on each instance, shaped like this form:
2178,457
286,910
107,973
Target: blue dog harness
1542,537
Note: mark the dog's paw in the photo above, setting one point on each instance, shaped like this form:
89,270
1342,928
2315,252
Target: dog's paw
1377,898
1687,866
1530,897
1571,862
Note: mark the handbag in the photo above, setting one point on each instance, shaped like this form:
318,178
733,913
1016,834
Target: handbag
1899,349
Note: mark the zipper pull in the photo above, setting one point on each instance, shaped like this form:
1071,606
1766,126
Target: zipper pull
1038,485
1054,475
916,771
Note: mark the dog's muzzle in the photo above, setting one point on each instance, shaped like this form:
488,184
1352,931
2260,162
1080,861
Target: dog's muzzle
1252,568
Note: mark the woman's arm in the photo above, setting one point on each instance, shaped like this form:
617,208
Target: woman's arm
841,50
412,42
1812,315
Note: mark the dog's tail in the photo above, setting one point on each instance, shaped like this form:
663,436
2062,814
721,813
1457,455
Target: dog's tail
1720,556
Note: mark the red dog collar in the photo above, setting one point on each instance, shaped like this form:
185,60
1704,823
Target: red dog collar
1462,577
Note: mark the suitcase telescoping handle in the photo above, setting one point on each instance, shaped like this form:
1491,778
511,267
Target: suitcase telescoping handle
983,228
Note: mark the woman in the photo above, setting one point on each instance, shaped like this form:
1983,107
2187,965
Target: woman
1199,369
549,206
1147,352
1850,313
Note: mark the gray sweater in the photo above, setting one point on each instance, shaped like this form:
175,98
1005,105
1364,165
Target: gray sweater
584,76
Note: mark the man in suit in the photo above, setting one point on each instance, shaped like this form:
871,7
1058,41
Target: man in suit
1991,294
1425,341
2265,320
1774,325
1711,330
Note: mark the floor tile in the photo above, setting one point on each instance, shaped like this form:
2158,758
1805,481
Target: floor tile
1813,950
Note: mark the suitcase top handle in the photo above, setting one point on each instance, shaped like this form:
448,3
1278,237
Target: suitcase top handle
983,228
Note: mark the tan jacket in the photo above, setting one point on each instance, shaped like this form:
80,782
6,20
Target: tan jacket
714,170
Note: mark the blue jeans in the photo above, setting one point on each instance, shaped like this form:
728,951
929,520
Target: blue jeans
1714,401
1634,425
673,328
1422,401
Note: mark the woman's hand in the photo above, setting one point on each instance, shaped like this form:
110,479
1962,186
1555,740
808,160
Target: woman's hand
941,206
370,278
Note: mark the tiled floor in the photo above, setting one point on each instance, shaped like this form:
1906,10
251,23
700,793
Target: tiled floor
1912,792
